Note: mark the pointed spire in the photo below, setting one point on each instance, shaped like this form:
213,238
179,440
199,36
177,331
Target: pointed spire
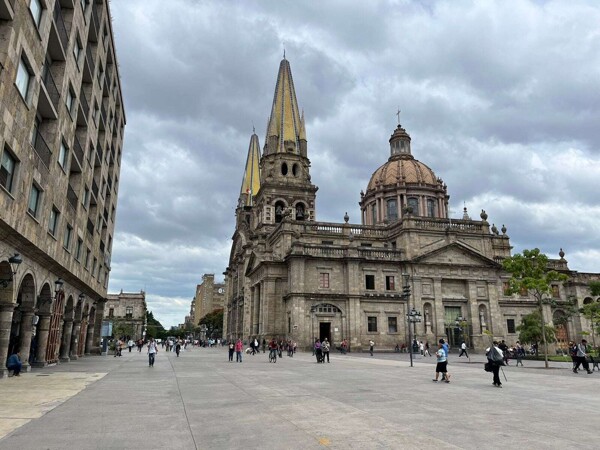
302,127
251,181
285,122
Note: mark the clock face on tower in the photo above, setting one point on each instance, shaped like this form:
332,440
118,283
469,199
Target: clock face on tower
220,290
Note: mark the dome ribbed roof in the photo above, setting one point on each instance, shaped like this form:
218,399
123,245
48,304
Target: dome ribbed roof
403,169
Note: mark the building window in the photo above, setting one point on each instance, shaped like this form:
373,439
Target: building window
523,292
77,49
370,282
129,312
111,312
7,170
70,101
413,205
35,7
510,326
67,237
100,73
63,155
374,214
94,264
78,249
86,197
390,284
53,222
34,200
392,324
324,280
555,291
430,208
392,209
23,78
87,258
372,324
506,288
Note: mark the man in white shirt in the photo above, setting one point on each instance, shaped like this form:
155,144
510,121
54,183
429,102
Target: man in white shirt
463,349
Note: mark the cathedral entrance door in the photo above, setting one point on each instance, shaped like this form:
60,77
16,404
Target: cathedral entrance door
325,331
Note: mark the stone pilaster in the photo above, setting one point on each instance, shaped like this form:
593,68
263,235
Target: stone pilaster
75,340
26,334
42,340
65,343
89,339
6,313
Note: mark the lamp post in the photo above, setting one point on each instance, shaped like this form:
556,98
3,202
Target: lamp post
413,316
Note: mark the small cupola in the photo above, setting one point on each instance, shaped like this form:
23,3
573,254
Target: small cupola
400,142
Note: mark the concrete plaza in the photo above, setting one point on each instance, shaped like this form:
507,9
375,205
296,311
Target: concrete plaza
201,401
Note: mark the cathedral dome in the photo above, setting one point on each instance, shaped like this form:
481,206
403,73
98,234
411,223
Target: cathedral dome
402,169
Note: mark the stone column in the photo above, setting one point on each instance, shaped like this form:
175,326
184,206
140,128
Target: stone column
65,343
439,312
26,334
6,313
100,304
89,339
75,339
42,339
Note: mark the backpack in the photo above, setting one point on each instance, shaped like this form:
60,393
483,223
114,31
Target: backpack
573,350
494,356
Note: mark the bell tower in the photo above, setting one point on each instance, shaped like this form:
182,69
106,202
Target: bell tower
285,187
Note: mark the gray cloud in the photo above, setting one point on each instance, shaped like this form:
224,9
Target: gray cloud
501,100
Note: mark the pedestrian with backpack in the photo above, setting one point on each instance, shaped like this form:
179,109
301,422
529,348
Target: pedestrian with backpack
495,359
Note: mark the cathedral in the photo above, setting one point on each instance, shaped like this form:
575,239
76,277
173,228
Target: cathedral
293,277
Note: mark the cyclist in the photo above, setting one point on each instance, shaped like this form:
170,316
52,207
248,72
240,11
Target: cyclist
273,350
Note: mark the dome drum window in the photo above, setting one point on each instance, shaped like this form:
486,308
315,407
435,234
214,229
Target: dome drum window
284,169
295,170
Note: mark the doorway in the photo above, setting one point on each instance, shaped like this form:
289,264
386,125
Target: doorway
325,331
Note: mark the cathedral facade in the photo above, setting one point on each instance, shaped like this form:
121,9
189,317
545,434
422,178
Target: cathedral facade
293,277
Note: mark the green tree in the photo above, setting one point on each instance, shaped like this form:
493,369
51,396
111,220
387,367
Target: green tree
153,327
530,330
214,323
591,312
529,271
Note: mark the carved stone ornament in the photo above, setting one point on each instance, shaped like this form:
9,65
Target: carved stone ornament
483,215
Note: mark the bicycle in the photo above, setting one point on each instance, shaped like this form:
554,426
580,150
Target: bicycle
273,356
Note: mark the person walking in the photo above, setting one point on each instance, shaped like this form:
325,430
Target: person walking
318,352
231,350
427,353
238,350
178,347
371,347
582,357
325,349
463,349
442,364
495,358
14,363
446,349
152,351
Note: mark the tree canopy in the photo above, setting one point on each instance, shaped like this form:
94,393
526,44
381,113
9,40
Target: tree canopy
214,323
530,330
153,327
529,271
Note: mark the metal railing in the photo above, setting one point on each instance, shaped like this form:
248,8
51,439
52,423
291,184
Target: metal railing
60,25
78,151
51,88
72,197
42,149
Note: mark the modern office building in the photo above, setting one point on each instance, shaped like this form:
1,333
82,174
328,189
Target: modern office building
291,276
209,297
61,135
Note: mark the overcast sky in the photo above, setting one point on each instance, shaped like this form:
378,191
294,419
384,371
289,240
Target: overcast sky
501,99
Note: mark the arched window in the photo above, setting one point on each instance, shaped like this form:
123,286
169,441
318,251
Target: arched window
295,170
413,205
392,209
284,169
374,214
300,212
430,207
279,209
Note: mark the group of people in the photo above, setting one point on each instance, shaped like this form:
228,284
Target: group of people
578,353
321,350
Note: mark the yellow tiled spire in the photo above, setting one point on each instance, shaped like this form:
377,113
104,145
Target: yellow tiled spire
251,181
285,121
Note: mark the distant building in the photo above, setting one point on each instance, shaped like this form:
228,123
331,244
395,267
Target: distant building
61,136
209,297
128,310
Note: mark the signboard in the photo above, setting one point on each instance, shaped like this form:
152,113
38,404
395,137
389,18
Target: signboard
106,328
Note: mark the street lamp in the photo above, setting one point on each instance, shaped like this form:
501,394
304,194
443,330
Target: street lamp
413,316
